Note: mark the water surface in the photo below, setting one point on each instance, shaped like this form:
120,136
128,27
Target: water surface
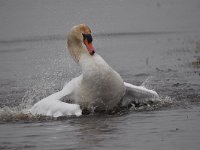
155,43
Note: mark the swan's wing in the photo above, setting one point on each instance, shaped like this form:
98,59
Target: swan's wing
140,91
53,106
71,90
139,94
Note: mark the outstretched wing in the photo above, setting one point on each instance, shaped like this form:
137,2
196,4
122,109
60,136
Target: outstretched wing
139,94
53,106
140,91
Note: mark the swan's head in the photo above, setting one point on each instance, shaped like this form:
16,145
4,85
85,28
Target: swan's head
79,35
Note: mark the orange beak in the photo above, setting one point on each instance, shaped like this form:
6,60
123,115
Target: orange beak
89,47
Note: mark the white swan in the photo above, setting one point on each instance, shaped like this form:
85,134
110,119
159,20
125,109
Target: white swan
99,87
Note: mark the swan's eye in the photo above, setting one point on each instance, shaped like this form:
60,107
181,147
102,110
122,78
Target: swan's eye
88,37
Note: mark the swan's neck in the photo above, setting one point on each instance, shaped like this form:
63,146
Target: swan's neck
93,65
76,49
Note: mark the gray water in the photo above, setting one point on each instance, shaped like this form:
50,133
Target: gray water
151,42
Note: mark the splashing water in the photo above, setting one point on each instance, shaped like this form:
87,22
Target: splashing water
22,111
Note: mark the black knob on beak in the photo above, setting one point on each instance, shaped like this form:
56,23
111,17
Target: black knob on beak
88,37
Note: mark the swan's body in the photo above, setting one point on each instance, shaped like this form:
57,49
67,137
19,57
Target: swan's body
99,87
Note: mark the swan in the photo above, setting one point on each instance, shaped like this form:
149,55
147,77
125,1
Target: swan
98,88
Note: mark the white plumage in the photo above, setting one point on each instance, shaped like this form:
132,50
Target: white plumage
98,87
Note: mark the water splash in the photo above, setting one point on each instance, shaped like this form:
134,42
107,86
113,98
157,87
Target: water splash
21,112
163,103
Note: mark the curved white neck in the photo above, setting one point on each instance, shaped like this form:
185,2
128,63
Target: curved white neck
76,49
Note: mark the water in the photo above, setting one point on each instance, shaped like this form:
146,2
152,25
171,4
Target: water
155,43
